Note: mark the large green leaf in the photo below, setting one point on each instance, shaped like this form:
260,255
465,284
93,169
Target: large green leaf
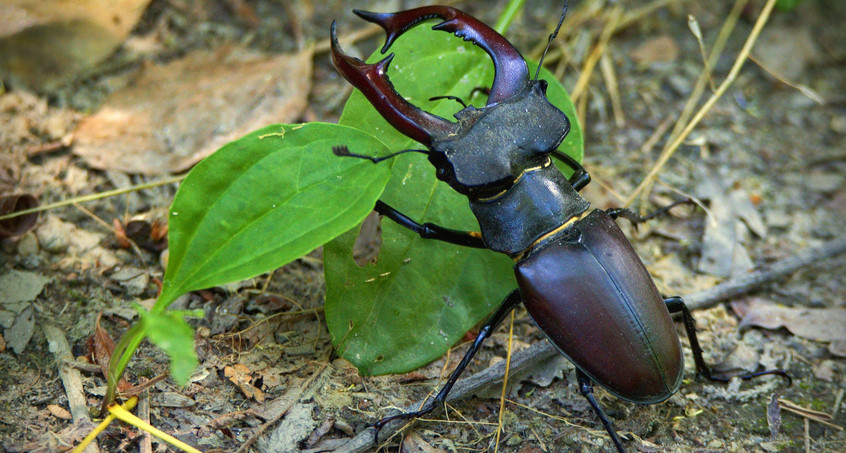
264,200
421,296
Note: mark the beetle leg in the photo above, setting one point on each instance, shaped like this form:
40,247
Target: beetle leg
431,230
636,218
512,300
676,304
344,151
510,71
586,389
580,177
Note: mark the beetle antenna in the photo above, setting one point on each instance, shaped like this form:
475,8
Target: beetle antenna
343,151
551,38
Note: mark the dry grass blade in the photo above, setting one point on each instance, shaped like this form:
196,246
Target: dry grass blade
810,414
735,70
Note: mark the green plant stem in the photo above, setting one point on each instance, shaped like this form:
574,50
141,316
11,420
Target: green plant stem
508,14
123,352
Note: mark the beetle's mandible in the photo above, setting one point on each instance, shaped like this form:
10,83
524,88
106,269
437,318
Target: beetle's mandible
577,274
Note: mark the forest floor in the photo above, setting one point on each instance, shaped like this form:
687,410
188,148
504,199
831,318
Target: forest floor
769,160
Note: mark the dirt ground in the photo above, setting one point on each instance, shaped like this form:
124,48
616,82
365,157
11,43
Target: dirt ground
769,161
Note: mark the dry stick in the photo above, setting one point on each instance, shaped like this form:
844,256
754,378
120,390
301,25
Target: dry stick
738,64
540,352
716,51
71,378
606,66
745,283
593,58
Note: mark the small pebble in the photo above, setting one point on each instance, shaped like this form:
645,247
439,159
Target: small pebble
54,235
28,245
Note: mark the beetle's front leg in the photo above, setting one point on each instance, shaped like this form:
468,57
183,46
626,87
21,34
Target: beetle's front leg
580,177
676,304
431,230
512,300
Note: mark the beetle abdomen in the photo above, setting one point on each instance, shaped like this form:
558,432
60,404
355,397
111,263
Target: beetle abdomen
591,295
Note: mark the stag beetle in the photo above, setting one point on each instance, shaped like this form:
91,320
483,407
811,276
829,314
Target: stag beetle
578,276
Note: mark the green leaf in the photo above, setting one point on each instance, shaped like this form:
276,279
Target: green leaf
421,296
170,332
264,200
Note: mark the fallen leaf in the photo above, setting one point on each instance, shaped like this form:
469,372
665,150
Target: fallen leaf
731,216
787,50
45,43
59,411
413,443
176,114
21,331
102,346
774,415
659,48
20,286
819,324
241,376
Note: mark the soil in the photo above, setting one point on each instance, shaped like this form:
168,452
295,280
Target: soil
263,344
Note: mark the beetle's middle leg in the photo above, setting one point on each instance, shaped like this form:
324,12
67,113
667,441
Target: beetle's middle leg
431,230
512,300
676,304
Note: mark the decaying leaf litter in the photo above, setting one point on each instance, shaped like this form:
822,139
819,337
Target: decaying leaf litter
764,143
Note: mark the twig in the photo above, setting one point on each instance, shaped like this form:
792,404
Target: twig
71,377
540,352
737,286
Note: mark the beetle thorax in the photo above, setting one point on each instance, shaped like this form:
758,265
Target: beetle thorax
494,145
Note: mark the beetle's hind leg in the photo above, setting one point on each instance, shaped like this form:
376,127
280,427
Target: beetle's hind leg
512,300
636,218
586,389
676,304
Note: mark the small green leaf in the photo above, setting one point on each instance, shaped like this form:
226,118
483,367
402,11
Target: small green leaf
264,200
169,331
422,295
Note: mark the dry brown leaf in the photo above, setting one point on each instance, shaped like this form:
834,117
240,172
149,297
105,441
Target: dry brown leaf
59,411
102,346
414,443
819,324
241,376
45,43
176,114
660,48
